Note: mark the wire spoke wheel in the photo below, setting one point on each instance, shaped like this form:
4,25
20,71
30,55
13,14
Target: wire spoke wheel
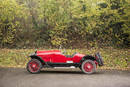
88,67
34,66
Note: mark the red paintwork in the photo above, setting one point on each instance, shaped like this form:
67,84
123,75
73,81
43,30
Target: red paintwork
55,56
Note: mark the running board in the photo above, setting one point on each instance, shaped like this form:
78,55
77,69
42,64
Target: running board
66,67
61,65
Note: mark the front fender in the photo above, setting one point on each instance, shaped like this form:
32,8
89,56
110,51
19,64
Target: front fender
87,57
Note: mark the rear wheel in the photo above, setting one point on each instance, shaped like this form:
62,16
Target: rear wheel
88,67
34,66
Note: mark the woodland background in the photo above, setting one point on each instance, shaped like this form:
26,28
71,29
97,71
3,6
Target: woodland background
84,26
70,23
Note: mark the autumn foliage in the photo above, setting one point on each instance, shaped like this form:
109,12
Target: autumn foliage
70,23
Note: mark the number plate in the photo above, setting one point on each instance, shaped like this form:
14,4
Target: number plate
69,61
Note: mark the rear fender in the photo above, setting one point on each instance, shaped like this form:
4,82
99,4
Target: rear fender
38,58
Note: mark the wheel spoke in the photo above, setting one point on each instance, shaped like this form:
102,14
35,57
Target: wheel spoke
88,67
34,66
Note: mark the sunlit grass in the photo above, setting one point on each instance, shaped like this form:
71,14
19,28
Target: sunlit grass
115,58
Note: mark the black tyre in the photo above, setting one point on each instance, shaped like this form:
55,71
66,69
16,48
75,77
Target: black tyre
34,66
88,66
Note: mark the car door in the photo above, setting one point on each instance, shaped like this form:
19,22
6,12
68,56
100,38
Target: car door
58,58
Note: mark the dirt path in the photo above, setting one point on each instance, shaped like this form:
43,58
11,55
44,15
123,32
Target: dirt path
19,77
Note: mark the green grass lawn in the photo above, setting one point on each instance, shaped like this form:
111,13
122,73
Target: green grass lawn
113,58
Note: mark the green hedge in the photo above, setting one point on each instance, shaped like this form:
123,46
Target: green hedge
113,58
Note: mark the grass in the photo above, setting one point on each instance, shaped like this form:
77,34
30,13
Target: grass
113,58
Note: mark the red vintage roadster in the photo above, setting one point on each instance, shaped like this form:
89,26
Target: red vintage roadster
56,58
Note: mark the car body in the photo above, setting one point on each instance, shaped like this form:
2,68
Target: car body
56,58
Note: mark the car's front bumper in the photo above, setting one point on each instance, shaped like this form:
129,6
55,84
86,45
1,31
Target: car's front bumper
99,59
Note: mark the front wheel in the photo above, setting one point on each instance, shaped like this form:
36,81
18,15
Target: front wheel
88,67
34,66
